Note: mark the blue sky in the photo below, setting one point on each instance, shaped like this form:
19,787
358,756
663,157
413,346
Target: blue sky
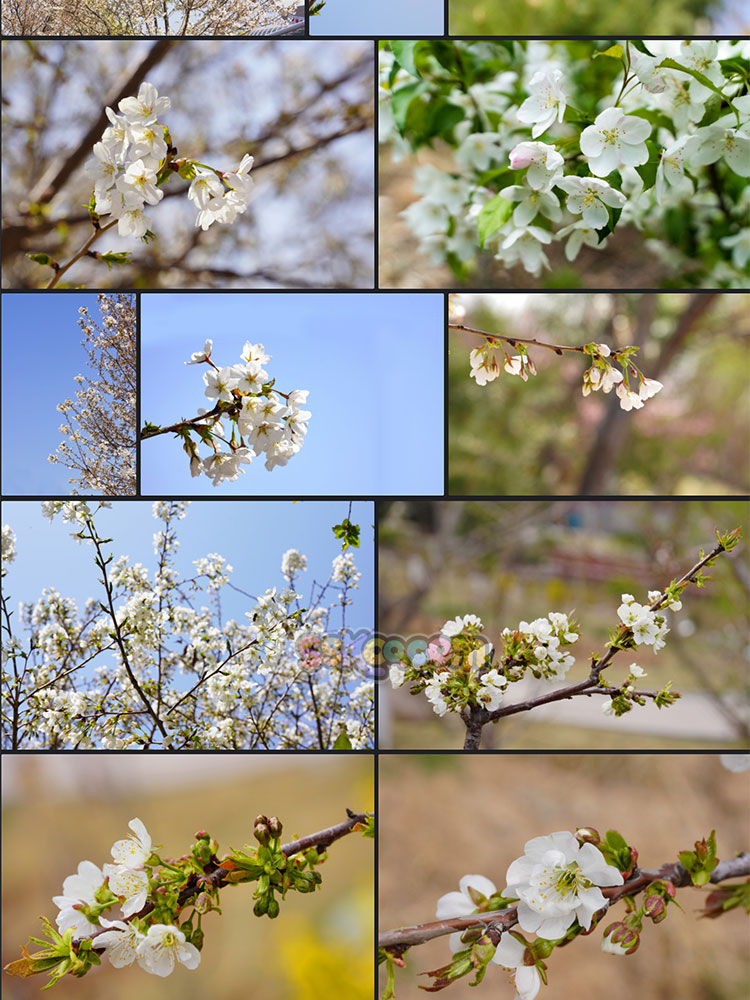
251,535
41,354
373,364
381,18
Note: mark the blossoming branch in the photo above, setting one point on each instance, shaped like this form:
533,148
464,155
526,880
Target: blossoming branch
153,928
132,162
459,672
561,888
601,375
262,419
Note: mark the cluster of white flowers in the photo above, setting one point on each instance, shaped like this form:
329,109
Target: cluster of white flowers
656,119
92,891
267,421
648,627
601,375
293,562
557,882
542,644
9,547
344,570
129,166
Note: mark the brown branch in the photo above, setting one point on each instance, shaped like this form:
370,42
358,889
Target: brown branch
402,938
557,348
478,717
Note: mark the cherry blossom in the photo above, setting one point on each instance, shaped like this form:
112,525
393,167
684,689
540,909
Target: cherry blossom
556,882
163,948
615,140
510,954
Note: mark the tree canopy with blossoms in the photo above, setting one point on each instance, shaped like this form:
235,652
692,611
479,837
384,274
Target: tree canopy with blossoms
573,143
145,665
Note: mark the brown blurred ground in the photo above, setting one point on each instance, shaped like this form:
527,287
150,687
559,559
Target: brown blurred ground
444,816
320,945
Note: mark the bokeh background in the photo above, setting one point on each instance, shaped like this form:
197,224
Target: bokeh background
597,17
544,437
444,816
61,809
507,561
379,17
302,109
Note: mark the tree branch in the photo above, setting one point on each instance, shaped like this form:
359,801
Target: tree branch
405,937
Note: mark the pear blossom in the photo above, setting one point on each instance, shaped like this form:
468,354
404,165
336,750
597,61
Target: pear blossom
526,245
615,140
544,163
716,141
79,889
474,890
146,107
510,954
457,625
546,102
556,882
121,941
163,947
531,203
629,400
136,850
199,356
484,367
588,196
129,885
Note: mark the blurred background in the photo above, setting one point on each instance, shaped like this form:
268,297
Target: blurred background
444,816
597,17
302,109
60,809
543,436
382,18
507,561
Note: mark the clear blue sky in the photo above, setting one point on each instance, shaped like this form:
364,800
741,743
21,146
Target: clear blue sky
251,535
373,364
42,354
380,18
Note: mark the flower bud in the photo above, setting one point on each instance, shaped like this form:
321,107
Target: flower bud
655,907
274,825
262,834
619,939
202,903
273,908
261,906
588,835
260,819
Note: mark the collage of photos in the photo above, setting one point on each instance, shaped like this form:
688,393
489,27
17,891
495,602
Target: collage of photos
375,481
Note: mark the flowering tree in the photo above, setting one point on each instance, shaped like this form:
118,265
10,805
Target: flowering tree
245,395
305,139
102,449
153,927
143,17
166,674
459,672
655,136
563,887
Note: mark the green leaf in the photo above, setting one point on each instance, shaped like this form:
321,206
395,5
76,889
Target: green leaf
404,53
348,533
342,741
493,216
648,170
616,841
401,100
614,52
44,259
110,258
640,45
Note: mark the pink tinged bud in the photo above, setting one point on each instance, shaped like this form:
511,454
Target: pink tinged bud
588,835
655,908
521,158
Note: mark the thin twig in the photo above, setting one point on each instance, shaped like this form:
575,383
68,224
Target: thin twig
557,348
